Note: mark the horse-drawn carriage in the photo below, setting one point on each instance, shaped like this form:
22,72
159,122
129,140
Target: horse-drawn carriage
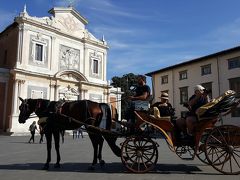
218,146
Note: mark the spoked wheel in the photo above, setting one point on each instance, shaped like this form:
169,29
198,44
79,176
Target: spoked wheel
223,149
201,154
202,147
185,152
139,154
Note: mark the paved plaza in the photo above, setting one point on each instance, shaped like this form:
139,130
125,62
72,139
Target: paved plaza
20,160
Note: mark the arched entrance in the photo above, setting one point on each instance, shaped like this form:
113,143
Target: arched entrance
68,85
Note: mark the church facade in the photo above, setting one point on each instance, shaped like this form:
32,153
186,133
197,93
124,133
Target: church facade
54,58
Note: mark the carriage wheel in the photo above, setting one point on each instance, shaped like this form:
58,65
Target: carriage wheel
223,149
201,154
202,147
139,154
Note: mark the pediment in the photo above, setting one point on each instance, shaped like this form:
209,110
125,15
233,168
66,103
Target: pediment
69,21
70,77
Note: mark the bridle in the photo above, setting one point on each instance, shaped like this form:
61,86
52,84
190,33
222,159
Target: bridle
25,109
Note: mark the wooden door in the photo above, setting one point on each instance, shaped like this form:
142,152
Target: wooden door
2,103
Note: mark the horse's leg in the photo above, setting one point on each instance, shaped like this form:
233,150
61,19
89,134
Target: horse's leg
62,135
48,135
56,135
94,139
101,161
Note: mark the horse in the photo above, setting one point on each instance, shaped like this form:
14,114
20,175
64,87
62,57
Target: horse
69,116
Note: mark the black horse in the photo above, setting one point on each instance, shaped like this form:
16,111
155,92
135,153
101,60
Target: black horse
56,116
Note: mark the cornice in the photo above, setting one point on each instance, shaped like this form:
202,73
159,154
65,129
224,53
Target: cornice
30,21
106,86
71,10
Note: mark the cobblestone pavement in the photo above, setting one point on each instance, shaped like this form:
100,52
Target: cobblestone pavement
20,160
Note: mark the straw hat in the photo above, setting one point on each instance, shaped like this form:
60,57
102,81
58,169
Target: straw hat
164,96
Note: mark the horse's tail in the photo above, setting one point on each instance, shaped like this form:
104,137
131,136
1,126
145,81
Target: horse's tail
105,108
110,138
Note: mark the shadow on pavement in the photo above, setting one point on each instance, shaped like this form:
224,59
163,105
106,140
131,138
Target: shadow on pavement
180,169
115,167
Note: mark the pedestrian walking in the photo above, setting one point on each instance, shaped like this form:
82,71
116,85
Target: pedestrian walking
41,134
74,133
32,129
80,132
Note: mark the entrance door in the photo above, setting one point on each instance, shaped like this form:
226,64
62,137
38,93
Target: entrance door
2,104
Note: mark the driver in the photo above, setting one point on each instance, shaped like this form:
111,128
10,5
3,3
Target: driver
142,92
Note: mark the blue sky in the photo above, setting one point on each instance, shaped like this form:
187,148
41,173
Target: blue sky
147,35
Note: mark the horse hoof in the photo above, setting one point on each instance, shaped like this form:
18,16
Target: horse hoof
56,165
102,163
91,168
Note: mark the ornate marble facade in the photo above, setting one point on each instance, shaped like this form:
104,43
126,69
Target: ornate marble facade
52,57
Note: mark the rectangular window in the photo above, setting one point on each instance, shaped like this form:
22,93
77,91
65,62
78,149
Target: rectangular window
234,85
206,69
39,52
183,95
95,66
164,79
208,87
234,63
182,75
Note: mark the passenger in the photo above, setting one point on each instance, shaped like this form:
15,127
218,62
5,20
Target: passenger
195,101
164,107
142,92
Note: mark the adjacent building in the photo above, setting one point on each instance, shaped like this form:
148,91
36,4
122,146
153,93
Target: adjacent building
217,72
54,58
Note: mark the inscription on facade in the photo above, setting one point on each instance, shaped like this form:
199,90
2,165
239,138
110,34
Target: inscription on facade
36,92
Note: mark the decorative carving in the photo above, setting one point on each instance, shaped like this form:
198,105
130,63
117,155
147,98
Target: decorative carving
69,23
20,81
69,58
39,36
68,93
70,77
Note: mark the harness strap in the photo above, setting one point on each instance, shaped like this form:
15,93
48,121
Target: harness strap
59,108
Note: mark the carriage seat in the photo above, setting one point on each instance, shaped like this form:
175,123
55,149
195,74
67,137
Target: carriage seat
157,115
221,104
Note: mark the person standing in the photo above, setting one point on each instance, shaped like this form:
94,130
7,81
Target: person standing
32,129
41,134
80,132
74,133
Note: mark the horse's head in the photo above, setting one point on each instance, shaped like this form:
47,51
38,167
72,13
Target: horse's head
28,106
25,110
